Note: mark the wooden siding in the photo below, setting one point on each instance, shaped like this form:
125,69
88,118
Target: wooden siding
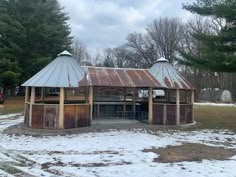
26,120
186,111
158,113
76,116
37,116
45,116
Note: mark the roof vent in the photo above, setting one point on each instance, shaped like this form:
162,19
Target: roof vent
65,53
162,60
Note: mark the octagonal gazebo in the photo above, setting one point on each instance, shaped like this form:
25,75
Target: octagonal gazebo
56,111
65,95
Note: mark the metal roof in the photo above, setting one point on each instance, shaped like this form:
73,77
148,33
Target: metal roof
63,71
167,75
160,75
118,77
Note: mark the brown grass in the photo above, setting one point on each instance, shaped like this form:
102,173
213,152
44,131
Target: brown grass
191,152
12,105
214,117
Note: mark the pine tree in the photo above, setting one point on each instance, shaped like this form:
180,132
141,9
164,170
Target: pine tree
218,51
32,32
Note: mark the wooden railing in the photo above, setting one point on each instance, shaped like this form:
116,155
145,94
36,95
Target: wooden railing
45,116
165,114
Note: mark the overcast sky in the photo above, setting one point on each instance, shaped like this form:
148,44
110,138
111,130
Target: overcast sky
106,23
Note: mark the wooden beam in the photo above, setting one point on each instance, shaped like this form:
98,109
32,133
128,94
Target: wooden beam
177,108
124,105
150,106
26,100
26,94
192,96
164,114
134,100
61,108
32,98
91,102
192,102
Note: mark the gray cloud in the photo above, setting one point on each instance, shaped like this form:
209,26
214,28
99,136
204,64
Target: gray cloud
106,23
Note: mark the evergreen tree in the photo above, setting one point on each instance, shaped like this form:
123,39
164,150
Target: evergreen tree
32,32
218,50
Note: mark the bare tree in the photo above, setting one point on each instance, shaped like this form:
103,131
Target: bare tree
80,52
143,50
166,33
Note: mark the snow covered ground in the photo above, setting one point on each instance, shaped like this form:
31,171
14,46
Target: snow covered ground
109,154
215,104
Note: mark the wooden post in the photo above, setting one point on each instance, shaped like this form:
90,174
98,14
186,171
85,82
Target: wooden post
192,102
192,96
124,105
91,102
26,94
164,114
150,106
177,107
134,100
32,98
26,100
61,108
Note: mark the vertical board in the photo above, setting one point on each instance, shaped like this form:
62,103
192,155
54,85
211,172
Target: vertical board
158,113
83,119
51,116
69,116
37,116
183,114
26,120
171,114
189,113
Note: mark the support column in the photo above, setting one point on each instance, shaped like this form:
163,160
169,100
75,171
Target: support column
124,105
134,100
32,98
164,114
91,102
177,108
150,106
26,94
26,100
192,102
61,108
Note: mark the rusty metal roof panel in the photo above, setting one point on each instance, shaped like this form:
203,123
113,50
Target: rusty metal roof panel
63,71
125,78
167,75
114,78
161,75
118,77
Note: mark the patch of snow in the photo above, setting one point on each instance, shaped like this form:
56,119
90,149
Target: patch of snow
114,153
5,174
5,116
215,104
4,158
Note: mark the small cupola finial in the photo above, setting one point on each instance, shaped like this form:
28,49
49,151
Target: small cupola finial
162,60
65,53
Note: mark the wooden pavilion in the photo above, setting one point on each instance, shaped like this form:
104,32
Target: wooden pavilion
64,95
